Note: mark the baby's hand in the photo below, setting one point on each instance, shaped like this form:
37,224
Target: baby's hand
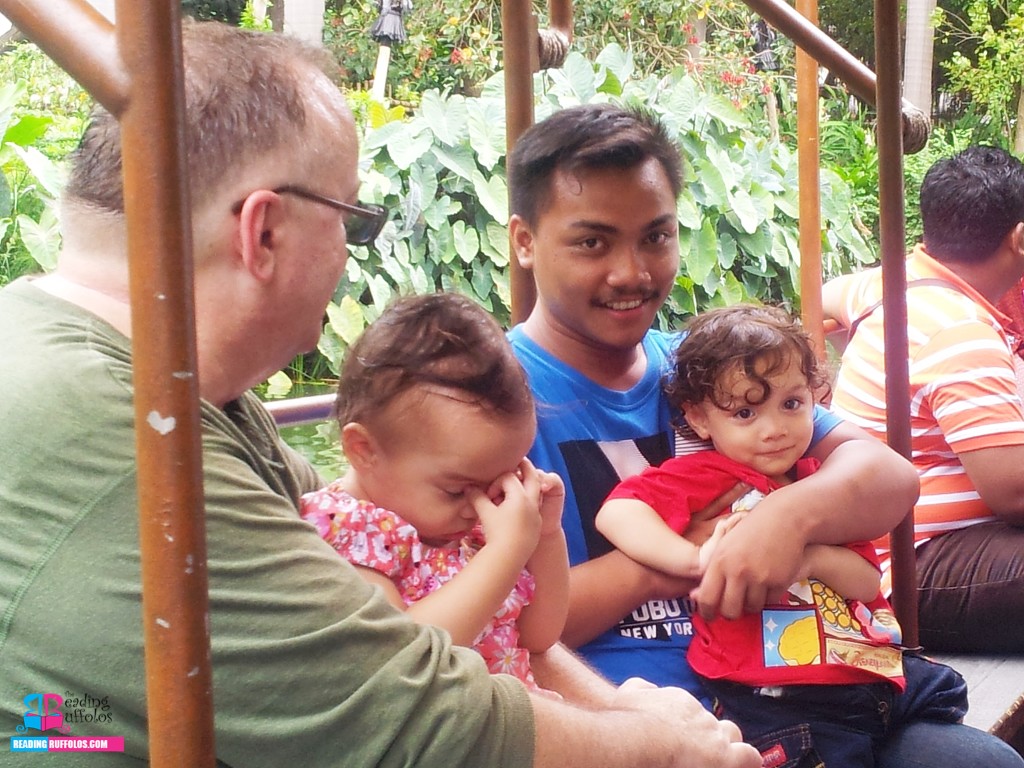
723,525
510,512
551,497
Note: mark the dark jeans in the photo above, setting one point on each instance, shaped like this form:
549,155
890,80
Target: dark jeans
842,726
971,590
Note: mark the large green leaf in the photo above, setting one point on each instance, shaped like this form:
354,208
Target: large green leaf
721,107
6,199
744,209
716,193
46,172
458,159
618,61
683,101
576,78
440,210
467,243
27,130
9,95
703,255
447,118
493,195
346,319
41,239
407,146
482,283
610,84
494,244
487,131
686,210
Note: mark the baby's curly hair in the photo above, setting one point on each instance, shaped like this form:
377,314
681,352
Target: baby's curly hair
760,341
442,340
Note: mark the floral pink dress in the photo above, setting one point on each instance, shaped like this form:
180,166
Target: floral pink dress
373,537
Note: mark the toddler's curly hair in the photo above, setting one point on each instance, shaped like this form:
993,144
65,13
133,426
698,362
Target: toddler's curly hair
760,341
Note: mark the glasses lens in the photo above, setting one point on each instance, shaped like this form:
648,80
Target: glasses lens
362,227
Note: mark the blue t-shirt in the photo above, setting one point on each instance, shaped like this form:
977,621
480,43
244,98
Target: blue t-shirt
593,437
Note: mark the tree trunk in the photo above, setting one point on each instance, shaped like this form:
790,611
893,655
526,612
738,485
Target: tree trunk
699,33
917,60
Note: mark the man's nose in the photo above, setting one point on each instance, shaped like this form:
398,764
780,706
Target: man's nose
630,268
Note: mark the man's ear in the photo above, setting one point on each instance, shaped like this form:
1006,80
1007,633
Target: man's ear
1016,236
359,446
697,418
521,236
258,235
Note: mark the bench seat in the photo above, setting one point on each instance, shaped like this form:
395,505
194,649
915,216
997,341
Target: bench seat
995,685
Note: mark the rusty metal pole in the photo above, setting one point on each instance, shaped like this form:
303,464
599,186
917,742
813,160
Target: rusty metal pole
80,40
172,530
857,76
519,43
135,71
894,294
809,160
560,16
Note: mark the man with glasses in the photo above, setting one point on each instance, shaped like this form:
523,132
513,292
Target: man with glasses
309,661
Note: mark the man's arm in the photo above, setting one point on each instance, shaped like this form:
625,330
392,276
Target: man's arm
994,473
862,490
643,725
603,590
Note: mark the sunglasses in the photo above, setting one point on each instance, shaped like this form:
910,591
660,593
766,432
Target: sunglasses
362,225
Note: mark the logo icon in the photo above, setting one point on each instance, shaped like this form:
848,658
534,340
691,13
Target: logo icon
44,713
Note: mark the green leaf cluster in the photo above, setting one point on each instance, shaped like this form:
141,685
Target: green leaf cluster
441,171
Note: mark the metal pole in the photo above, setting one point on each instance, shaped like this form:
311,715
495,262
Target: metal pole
810,186
519,42
80,40
135,71
894,294
168,436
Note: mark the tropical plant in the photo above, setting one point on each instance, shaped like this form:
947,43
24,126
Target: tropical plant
992,77
41,114
443,173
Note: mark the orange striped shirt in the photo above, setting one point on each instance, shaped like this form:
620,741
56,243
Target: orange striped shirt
963,390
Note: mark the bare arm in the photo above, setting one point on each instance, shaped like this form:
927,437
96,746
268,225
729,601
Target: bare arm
603,590
843,570
1000,486
860,492
643,725
467,603
636,529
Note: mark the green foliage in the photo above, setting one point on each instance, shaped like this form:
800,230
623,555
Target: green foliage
442,173
41,115
228,11
248,20
992,76
451,47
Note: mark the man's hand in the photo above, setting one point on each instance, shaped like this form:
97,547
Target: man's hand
751,566
701,739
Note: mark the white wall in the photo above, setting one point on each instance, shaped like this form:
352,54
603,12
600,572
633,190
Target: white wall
305,19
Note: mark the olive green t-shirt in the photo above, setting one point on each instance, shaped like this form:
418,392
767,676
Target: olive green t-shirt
311,666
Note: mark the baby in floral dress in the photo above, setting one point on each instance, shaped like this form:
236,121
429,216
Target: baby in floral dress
439,506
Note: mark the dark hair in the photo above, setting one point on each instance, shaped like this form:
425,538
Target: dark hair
587,136
760,341
246,92
969,202
440,339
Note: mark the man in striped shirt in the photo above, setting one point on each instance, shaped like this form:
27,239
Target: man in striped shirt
967,421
